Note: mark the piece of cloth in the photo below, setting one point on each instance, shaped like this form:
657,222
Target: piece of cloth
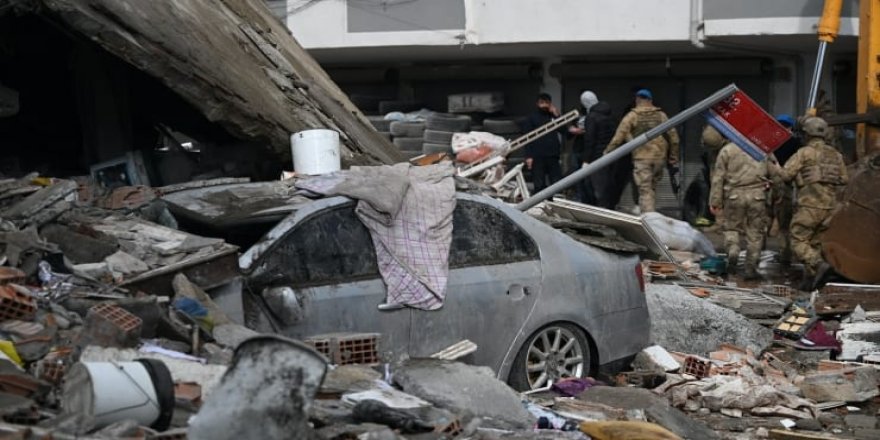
807,225
408,211
638,121
647,175
546,170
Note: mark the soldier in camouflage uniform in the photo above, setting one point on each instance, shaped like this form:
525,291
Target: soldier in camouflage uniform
818,172
712,142
649,159
741,190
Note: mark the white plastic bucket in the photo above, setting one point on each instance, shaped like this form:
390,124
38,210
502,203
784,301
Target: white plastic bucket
109,392
315,152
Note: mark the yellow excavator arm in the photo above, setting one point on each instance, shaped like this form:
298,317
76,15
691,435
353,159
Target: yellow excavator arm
868,76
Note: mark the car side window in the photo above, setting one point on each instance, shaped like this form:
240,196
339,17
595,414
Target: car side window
330,247
483,235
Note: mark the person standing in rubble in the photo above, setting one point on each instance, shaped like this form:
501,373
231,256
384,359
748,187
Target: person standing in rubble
598,129
542,154
650,159
818,172
741,189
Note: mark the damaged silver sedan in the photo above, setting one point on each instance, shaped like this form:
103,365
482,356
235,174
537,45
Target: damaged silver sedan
539,305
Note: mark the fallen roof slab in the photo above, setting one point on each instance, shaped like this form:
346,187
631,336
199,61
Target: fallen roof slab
234,62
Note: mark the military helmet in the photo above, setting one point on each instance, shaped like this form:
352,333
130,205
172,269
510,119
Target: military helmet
815,126
712,138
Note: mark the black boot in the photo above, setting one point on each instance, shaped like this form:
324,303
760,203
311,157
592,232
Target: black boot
824,272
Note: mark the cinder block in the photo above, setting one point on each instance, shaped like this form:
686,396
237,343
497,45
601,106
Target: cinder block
347,348
109,325
15,305
697,367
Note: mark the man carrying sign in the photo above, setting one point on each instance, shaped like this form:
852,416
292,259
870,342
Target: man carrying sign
819,172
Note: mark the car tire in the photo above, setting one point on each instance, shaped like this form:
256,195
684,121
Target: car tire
438,137
501,126
379,123
407,129
445,122
521,379
408,143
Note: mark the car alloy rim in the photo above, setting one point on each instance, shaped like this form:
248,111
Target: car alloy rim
553,355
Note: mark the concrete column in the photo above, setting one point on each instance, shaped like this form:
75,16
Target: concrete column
551,85
784,89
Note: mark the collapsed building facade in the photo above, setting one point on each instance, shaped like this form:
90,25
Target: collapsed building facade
178,90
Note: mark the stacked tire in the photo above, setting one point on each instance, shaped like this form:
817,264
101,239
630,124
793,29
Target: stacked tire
381,125
407,136
439,129
508,128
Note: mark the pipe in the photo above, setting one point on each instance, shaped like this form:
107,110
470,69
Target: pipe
817,76
628,147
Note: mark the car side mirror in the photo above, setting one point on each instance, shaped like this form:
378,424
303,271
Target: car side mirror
284,304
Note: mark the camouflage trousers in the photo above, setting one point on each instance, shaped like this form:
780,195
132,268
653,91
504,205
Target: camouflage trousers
807,225
647,174
782,210
746,217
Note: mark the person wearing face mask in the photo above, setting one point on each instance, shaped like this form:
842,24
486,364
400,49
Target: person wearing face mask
598,129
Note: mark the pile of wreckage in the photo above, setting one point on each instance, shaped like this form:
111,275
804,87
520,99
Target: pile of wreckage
112,325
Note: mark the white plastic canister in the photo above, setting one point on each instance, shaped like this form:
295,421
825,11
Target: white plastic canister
315,152
109,392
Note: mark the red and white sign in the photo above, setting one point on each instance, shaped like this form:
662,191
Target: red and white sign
746,124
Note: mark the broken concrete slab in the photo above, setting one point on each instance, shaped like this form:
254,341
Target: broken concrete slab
349,378
849,385
656,408
277,378
677,318
465,390
655,358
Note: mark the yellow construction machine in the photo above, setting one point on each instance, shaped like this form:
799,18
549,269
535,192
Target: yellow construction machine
852,242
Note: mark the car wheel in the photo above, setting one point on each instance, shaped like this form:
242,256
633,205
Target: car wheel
555,352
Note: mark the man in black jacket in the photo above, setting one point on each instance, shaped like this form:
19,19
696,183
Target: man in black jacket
542,154
598,130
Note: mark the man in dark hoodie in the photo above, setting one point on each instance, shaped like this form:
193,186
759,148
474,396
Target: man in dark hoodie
542,154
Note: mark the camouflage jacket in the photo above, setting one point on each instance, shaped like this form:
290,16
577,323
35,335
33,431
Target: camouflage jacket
639,120
738,175
818,172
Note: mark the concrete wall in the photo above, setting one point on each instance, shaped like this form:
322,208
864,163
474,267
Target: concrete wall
405,15
360,23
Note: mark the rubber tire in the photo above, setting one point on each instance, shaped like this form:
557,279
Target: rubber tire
408,143
407,129
501,126
446,122
379,123
431,148
518,379
386,107
438,137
